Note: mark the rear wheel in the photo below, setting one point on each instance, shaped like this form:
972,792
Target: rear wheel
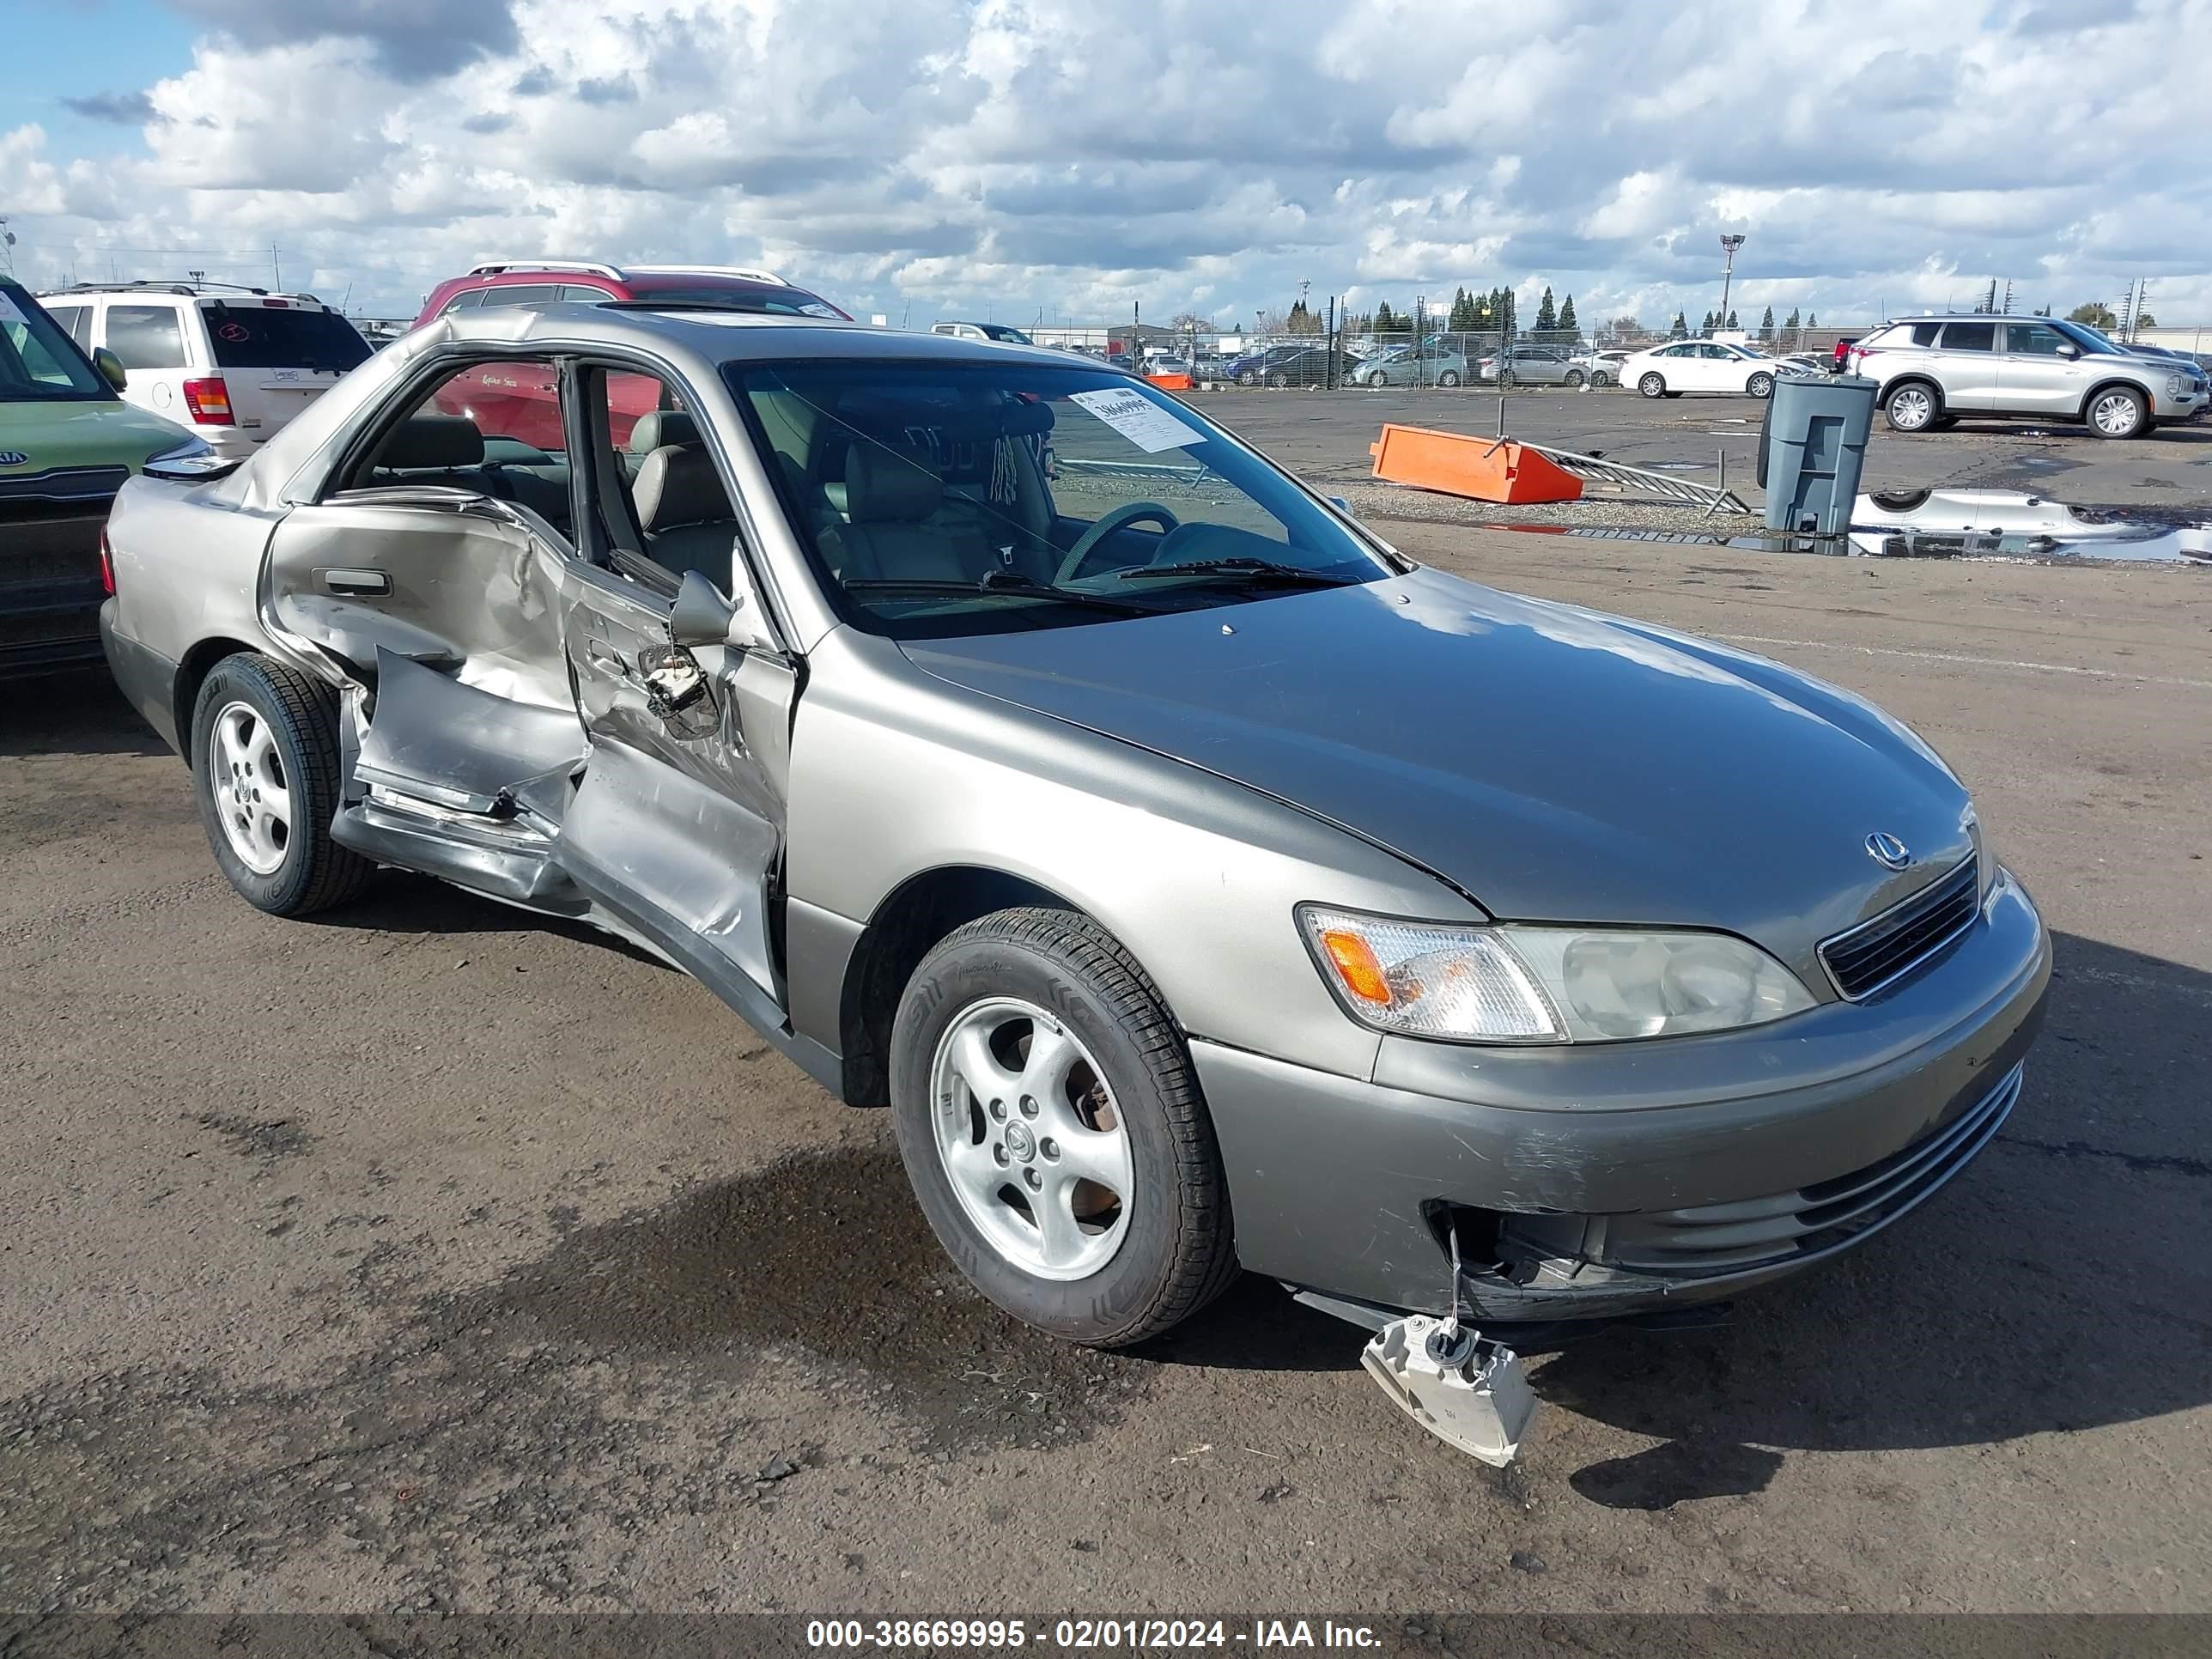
265,770
1600,378
1506,377
1377,378
1278,380
1653,385
1448,378
1911,407
2118,412
1050,1123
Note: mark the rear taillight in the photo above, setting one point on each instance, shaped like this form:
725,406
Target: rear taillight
208,400
107,565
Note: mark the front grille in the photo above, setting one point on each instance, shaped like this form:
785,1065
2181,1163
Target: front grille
1757,1232
66,483
1879,952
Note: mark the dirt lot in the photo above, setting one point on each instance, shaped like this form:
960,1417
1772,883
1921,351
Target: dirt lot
423,1256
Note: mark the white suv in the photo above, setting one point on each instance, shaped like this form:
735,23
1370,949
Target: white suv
1933,370
233,364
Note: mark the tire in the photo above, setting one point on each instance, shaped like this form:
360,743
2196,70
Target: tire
1448,378
272,732
1172,1247
1506,378
1760,386
1653,385
1248,378
1576,379
1278,380
1600,379
2118,411
1377,378
1912,406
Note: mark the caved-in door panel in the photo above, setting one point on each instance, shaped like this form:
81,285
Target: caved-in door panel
433,738
476,592
681,809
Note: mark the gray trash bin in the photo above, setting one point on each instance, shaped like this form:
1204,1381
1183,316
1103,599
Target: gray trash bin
1811,450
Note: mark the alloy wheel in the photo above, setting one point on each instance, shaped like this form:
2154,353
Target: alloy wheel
1910,408
2116,414
1031,1140
245,771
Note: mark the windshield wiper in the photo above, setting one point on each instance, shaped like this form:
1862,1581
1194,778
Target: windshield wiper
1241,569
1009,582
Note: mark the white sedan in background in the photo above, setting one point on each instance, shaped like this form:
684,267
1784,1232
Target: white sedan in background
1669,371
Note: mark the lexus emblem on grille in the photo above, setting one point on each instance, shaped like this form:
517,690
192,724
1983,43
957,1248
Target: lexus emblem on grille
1885,849
12,458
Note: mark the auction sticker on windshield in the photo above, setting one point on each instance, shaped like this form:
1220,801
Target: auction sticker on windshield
1139,419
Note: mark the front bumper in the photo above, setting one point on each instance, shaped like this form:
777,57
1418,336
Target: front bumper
2166,406
1606,1180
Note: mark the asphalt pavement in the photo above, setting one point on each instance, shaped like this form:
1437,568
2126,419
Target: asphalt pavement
423,1255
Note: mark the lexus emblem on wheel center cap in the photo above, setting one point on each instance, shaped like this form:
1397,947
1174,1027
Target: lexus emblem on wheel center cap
1019,1144
1885,849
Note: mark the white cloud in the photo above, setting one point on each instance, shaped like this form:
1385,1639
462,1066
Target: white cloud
1066,157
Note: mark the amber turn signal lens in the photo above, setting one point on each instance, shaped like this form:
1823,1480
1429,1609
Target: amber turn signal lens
1354,958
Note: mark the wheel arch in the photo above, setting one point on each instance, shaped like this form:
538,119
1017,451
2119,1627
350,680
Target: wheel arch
1921,378
192,670
2116,383
912,918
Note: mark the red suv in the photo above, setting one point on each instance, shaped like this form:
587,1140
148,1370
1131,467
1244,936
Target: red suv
524,408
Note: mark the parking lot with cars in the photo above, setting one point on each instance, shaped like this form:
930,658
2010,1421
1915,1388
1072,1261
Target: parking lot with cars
424,1254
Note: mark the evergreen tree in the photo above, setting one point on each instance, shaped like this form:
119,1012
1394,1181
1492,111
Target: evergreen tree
1681,324
1568,325
1547,318
1706,327
1733,324
1767,324
1385,318
1811,321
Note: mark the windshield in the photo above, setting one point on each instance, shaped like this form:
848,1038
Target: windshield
940,498
38,361
263,336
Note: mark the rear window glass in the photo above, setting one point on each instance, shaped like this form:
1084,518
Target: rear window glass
1970,336
1923,334
146,336
257,336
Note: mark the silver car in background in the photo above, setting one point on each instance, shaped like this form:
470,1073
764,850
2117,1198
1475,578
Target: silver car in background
1200,882
1431,365
1934,371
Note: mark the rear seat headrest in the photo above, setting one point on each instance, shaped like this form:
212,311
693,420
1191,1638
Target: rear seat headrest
661,427
679,485
432,440
884,485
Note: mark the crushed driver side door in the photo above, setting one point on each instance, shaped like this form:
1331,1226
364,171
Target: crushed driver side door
677,824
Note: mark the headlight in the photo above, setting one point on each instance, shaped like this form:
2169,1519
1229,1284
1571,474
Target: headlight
1528,984
2173,385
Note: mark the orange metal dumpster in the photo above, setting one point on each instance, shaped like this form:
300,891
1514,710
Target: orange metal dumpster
1171,382
1486,469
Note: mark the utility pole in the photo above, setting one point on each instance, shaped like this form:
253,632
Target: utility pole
275,271
1730,244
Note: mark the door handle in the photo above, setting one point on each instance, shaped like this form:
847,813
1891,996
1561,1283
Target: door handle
606,657
357,582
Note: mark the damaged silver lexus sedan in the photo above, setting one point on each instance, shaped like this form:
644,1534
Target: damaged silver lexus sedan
1200,882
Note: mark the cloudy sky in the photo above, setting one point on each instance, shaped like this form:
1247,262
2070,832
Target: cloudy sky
1063,158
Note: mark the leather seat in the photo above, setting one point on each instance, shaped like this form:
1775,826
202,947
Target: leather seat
428,448
893,497
684,512
659,429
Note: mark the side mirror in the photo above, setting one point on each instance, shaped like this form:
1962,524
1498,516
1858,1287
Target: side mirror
2069,351
110,366
700,616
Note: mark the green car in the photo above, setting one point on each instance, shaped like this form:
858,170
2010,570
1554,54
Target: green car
67,442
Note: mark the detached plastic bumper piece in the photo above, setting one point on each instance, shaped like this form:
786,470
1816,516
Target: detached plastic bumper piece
1482,469
1467,1392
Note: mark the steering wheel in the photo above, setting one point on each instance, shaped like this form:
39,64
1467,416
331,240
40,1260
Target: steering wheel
1120,518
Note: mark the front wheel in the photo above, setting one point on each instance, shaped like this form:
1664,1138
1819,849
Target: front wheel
266,771
1653,385
2118,412
1377,378
1760,386
1050,1123
1575,380
1448,378
1248,378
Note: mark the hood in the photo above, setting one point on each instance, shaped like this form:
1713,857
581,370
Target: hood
1552,764
97,433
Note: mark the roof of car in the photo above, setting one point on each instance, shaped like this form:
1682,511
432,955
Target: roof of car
725,335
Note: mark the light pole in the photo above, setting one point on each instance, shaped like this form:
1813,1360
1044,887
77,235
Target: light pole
1730,244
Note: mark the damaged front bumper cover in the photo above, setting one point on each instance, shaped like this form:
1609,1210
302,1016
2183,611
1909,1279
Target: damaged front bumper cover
1618,1182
